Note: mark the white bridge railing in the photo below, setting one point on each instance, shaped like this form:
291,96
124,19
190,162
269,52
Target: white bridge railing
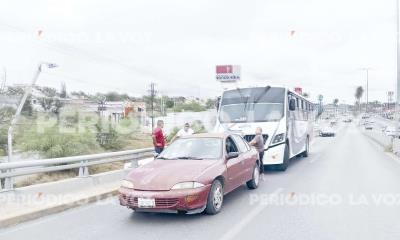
10,170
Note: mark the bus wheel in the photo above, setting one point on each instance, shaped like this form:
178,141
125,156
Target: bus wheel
305,153
286,160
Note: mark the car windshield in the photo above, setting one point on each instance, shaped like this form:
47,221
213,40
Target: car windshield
193,149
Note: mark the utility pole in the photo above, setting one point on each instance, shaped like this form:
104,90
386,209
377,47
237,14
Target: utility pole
153,93
3,82
398,60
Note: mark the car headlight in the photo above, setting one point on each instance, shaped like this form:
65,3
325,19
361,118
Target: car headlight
126,184
278,138
187,185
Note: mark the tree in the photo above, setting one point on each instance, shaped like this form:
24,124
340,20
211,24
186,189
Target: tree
169,103
63,91
210,103
335,101
358,95
320,99
6,114
80,94
306,95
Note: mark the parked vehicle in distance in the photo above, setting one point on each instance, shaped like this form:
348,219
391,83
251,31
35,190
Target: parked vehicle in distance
192,175
327,132
348,120
391,131
368,126
365,116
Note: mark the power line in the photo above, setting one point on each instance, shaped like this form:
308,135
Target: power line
67,49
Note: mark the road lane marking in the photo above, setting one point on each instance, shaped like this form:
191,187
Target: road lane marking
246,220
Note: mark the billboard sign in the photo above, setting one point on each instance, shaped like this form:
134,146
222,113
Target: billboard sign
227,73
298,90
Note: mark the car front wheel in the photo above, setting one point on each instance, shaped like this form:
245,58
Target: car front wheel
253,183
215,198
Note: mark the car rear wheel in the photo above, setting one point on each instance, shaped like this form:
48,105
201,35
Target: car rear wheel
253,183
286,160
215,198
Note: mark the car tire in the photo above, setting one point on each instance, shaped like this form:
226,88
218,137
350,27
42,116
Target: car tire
215,198
255,180
286,160
305,153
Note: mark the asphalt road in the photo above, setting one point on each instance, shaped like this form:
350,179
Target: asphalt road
348,188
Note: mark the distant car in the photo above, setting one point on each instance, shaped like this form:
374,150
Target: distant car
192,175
327,132
368,127
348,120
391,132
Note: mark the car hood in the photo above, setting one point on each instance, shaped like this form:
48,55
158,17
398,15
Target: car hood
162,175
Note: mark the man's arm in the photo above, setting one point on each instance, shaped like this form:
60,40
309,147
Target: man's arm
177,135
254,141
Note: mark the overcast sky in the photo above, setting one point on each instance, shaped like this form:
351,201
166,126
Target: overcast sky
320,45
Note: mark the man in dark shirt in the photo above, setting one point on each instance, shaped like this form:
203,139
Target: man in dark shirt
158,137
258,143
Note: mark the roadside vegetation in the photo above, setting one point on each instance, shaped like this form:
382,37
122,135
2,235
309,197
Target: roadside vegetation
60,130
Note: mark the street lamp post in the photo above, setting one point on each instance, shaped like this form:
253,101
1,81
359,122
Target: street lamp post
398,62
8,183
398,52
367,72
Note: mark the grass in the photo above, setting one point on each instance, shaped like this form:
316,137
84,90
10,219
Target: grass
135,142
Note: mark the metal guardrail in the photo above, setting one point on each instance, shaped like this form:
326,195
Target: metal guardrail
9,170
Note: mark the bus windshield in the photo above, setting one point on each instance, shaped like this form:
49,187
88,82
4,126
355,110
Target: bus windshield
259,112
252,105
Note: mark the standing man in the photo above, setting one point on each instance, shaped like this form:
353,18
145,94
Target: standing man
158,137
185,131
258,143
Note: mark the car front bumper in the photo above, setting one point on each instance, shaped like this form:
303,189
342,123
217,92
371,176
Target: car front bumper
173,201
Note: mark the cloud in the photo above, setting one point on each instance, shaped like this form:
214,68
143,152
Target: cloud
103,45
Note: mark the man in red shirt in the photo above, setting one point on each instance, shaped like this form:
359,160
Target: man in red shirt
158,137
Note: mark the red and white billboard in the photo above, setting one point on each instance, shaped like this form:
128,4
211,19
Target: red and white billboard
298,90
227,73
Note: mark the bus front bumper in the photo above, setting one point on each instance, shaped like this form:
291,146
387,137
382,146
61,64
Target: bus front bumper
274,155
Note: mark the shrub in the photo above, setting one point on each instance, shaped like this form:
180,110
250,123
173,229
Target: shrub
192,106
198,127
53,144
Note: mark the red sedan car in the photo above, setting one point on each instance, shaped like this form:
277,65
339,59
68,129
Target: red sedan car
192,175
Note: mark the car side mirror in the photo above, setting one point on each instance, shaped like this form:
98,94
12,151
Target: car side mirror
292,104
232,155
